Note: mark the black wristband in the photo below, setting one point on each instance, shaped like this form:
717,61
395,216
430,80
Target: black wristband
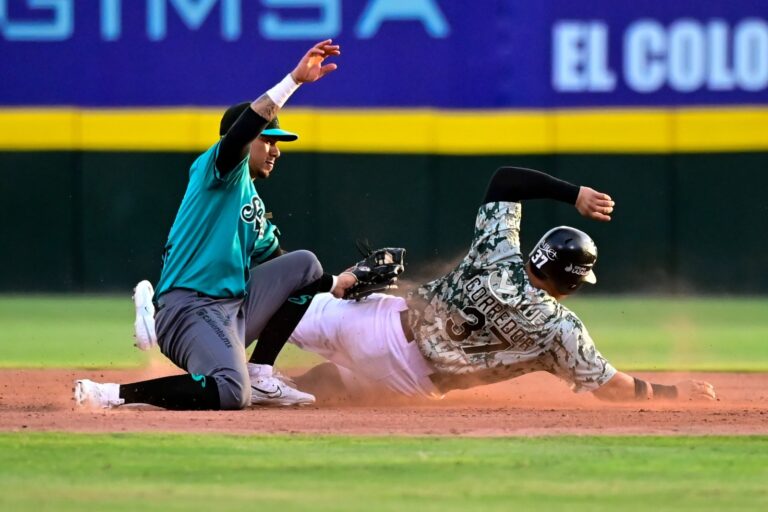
641,389
325,283
662,392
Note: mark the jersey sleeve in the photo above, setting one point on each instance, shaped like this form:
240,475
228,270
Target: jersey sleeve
266,245
497,234
212,177
576,359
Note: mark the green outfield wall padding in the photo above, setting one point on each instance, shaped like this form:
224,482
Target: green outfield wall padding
97,221
40,200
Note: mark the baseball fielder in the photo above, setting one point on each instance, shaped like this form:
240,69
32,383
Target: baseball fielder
207,298
494,317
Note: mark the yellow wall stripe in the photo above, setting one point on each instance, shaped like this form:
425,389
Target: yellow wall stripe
401,131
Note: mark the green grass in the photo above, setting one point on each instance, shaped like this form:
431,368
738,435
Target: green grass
71,472
679,334
633,333
79,332
67,331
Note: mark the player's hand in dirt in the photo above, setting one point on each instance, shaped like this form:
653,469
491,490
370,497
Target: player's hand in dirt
310,68
594,205
695,390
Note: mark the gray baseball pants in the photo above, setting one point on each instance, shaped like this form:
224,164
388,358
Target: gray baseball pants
206,336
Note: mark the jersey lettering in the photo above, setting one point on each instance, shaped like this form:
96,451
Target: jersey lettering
475,321
253,212
502,344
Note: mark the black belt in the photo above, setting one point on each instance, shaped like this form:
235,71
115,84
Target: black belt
439,381
407,331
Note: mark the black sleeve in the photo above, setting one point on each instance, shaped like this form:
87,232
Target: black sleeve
278,251
234,144
516,184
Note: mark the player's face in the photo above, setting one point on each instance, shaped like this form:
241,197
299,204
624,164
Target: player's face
264,155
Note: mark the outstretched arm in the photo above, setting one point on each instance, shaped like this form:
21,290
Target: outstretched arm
623,388
234,144
518,184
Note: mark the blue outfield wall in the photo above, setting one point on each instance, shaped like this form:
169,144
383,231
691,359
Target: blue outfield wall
406,53
663,104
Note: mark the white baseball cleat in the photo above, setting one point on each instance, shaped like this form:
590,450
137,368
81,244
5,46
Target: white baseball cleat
144,326
274,389
93,395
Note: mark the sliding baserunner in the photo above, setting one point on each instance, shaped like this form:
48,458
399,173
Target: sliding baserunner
496,316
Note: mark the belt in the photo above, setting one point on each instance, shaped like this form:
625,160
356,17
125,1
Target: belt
159,303
407,331
437,380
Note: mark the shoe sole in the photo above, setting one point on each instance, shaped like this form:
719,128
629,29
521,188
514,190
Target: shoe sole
141,332
267,402
142,324
278,402
77,392
81,399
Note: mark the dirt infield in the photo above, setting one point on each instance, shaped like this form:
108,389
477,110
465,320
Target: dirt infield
537,404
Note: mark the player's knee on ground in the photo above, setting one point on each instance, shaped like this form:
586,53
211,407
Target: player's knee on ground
234,389
307,261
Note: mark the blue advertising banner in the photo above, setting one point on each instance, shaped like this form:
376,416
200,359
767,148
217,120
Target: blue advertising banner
482,54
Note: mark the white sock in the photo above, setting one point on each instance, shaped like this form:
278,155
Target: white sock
113,394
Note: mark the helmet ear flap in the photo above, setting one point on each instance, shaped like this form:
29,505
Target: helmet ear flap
564,256
536,271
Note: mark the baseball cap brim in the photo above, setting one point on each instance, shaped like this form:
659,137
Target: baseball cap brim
280,134
590,278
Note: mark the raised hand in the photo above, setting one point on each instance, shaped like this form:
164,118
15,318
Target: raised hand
594,205
310,68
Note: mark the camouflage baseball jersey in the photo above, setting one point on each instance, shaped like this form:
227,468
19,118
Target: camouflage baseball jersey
484,322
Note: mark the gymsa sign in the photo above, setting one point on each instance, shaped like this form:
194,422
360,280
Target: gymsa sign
433,53
56,21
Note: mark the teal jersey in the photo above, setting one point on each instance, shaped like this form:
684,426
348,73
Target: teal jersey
220,226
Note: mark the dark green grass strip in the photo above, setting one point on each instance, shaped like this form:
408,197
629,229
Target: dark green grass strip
200,473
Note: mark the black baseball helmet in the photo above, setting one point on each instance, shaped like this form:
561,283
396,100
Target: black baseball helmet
565,256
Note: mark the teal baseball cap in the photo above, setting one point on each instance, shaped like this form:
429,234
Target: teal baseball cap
272,130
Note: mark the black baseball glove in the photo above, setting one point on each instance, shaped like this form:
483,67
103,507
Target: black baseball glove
377,272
